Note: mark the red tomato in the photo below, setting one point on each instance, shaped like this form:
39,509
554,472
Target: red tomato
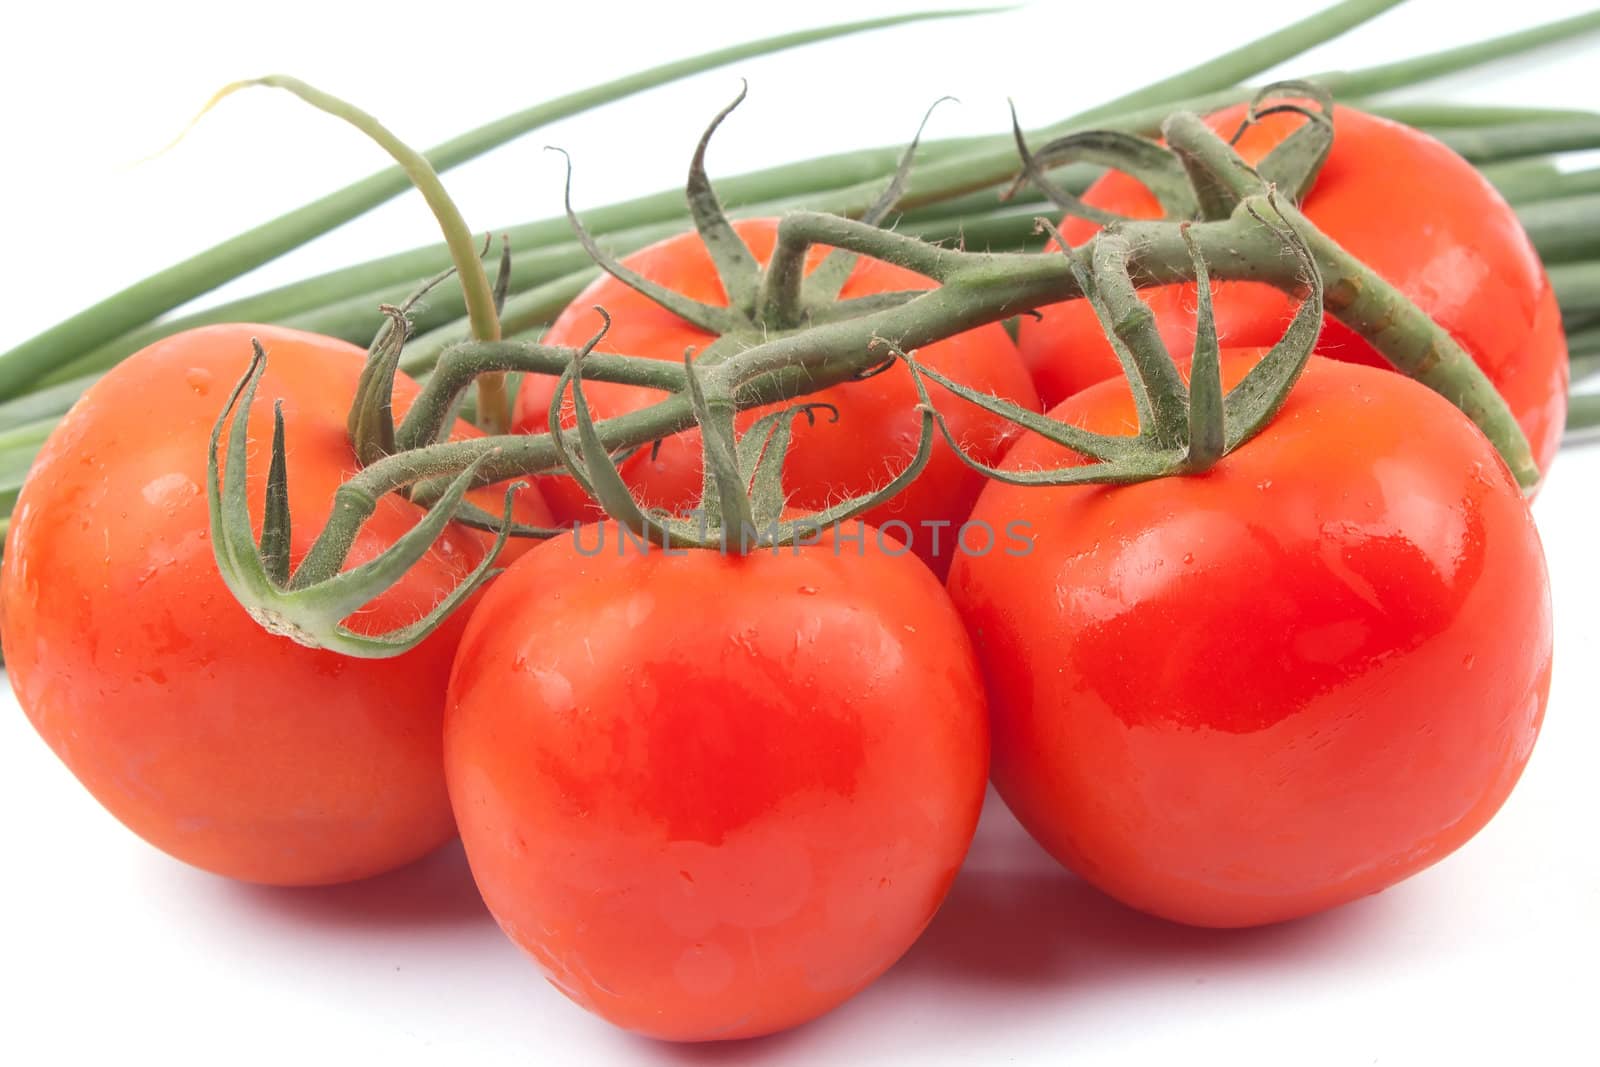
713,797
1415,212
1256,693
877,427
233,750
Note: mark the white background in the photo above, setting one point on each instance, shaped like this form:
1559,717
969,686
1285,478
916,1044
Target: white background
111,950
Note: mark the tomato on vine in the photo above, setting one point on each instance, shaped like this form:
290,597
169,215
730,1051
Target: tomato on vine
714,796
866,435
1276,686
234,749
1419,215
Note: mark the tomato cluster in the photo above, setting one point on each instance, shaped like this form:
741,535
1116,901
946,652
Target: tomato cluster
870,433
714,794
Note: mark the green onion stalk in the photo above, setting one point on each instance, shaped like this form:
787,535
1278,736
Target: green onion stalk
954,193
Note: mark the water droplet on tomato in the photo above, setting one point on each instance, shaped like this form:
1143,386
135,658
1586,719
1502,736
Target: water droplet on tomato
1468,662
808,590
1188,557
199,380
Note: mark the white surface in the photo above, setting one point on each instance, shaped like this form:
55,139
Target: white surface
110,947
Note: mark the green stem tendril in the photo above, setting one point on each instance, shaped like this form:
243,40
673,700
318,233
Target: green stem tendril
1153,165
493,404
1293,164
1129,324
742,502
372,433
389,341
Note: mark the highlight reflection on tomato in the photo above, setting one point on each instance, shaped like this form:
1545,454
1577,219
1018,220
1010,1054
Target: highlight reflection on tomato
1263,691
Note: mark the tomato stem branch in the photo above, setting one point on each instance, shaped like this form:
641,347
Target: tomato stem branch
977,289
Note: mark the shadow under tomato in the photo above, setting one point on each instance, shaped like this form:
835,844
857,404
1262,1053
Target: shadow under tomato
434,891
1018,928
1015,918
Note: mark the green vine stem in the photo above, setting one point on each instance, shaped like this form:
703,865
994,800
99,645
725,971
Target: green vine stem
976,289
483,316
460,365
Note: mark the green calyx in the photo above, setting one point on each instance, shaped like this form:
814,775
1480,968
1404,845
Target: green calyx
781,298
309,604
1184,428
1195,175
743,506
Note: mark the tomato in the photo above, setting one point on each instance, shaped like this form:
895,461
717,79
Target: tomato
715,796
1415,212
877,425
233,750
1252,694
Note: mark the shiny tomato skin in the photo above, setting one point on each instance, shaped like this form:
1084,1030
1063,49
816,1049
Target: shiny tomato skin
235,751
1398,200
1253,694
715,797
877,426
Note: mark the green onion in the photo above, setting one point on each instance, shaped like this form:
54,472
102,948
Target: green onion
200,274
